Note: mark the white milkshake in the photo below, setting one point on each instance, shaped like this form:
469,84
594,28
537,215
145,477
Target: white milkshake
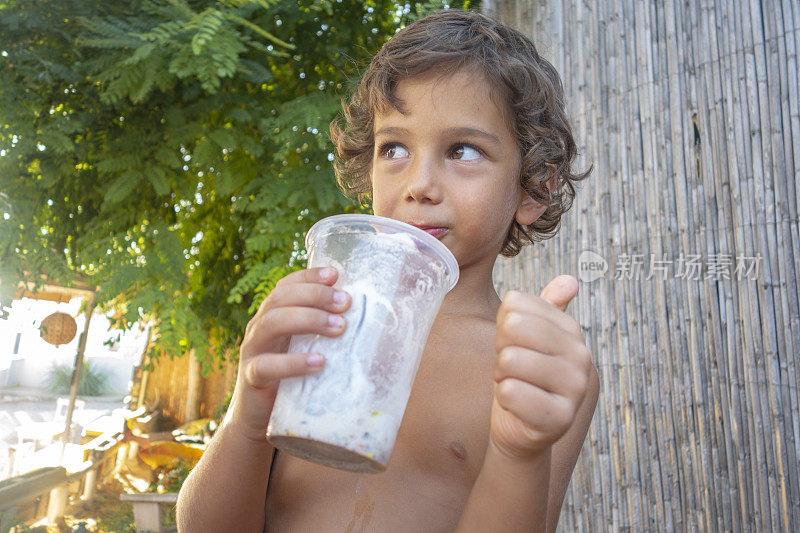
348,414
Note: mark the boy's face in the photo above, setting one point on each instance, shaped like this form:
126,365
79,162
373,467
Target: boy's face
450,165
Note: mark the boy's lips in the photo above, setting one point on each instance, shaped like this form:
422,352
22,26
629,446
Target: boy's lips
436,231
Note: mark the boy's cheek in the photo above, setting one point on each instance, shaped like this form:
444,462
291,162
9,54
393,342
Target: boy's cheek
379,201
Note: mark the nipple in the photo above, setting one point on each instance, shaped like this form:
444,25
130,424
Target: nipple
458,449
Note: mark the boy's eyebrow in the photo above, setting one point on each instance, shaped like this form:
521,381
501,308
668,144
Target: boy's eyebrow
450,132
391,130
472,132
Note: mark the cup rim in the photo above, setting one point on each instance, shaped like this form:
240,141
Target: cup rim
389,223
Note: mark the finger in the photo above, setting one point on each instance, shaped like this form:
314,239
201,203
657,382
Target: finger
516,301
560,291
538,333
283,322
323,275
264,370
326,275
314,295
553,374
536,408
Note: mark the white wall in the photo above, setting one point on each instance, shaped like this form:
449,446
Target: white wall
39,357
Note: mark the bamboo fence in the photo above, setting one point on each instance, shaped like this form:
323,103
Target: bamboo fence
166,388
689,112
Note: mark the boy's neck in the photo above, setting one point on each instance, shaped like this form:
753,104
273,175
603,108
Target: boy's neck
474,295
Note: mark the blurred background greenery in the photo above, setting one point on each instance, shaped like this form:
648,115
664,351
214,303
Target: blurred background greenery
174,152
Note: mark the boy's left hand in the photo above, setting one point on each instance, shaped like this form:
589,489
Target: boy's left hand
541,371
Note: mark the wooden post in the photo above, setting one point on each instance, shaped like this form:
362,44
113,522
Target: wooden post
58,496
145,372
56,504
76,374
192,407
89,485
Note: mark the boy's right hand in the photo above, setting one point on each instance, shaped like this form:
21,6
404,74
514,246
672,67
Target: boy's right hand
303,302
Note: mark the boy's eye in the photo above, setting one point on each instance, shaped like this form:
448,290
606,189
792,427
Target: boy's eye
393,151
465,152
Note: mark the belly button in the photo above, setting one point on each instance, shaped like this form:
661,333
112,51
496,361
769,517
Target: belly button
458,450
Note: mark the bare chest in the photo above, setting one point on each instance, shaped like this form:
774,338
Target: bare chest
437,456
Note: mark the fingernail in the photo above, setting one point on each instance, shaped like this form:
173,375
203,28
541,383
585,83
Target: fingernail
335,321
315,359
339,297
328,273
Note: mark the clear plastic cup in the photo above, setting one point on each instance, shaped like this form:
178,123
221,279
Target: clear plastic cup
347,415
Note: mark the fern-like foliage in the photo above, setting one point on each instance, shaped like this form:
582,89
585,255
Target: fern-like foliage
174,152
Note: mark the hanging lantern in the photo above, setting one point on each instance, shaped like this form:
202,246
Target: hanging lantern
58,328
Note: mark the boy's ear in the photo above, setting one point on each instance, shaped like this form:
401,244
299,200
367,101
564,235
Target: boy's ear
529,209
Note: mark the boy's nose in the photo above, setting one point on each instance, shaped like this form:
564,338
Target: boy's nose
422,184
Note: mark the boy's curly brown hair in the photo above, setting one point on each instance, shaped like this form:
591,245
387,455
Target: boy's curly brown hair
445,43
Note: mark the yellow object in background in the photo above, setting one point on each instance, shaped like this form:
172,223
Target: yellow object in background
195,427
162,453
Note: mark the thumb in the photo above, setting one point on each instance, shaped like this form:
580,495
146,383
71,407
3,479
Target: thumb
560,291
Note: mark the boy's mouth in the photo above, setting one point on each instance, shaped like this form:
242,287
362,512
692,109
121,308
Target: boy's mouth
436,231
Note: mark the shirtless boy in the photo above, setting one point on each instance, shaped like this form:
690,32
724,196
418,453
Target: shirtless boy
458,127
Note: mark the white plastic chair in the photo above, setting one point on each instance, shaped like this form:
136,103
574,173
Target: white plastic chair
43,433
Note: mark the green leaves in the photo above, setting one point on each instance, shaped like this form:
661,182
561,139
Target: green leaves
121,187
262,32
158,178
205,26
173,152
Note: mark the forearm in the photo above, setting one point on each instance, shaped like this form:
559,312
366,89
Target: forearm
227,489
509,495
